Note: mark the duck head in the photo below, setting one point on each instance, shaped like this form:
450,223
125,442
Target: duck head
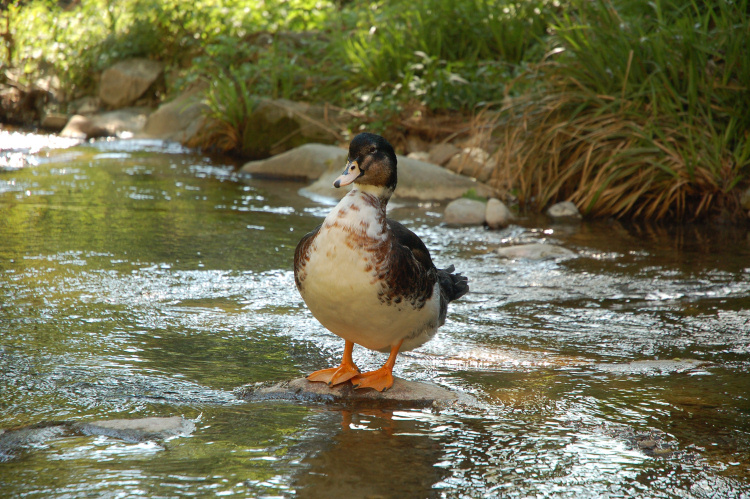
371,166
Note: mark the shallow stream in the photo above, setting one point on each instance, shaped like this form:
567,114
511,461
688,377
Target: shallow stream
139,279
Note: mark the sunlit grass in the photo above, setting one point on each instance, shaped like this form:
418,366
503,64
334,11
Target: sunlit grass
641,116
442,53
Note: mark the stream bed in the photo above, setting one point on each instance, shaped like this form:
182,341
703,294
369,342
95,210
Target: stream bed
139,279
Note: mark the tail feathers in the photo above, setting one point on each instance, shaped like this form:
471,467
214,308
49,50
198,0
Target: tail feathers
453,286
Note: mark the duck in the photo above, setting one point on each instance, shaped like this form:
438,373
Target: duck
367,278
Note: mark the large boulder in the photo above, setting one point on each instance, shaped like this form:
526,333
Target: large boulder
278,125
307,162
440,154
180,119
125,82
416,180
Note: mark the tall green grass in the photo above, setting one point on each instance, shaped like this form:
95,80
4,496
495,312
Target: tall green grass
641,110
445,54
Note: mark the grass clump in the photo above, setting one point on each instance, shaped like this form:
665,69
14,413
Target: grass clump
443,54
641,110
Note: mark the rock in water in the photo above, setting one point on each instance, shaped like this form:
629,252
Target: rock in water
180,119
138,430
464,211
497,215
402,394
306,162
535,251
564,210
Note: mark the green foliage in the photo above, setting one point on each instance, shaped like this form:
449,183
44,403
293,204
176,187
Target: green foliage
627,107
79,41
46,36
643,111
442,53
472,194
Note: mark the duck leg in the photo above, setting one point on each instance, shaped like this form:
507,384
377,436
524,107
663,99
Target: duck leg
379,379
335,375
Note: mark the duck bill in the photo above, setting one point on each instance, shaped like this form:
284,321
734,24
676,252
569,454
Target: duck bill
351,173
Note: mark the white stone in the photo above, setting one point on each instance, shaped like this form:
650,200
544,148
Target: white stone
306,162
419,155
745,199
564,209
464,211
497,215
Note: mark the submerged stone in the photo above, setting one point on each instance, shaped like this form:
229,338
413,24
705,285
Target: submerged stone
653,366
15,440
535,251
403,393
138,430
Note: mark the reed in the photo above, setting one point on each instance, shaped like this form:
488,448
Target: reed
639,111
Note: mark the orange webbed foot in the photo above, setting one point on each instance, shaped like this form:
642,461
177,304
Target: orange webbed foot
335,375
379,379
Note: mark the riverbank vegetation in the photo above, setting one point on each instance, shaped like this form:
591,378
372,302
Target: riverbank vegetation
629,108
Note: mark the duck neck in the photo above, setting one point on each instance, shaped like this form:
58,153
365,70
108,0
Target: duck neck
383,194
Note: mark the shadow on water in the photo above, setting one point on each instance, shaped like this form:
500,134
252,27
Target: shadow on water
139,279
